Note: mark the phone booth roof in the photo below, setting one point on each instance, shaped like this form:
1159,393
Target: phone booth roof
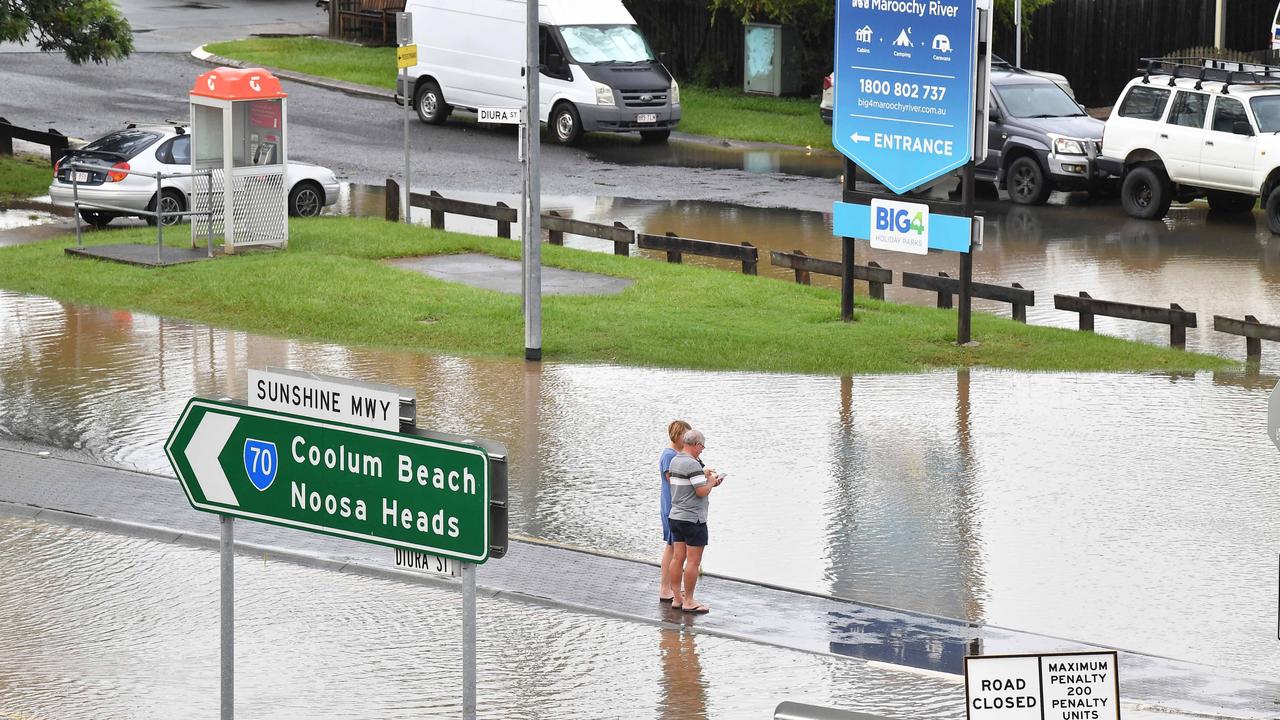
226,83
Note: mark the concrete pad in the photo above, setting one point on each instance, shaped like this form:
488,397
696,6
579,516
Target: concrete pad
144,255
491,273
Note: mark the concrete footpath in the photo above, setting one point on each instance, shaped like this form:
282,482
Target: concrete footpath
55,487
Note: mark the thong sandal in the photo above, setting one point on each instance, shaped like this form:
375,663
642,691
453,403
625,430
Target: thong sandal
666,599
698,609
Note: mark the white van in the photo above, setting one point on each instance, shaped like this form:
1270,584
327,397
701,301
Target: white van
598,72
1275,30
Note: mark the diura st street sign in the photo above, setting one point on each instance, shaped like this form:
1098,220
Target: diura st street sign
389,488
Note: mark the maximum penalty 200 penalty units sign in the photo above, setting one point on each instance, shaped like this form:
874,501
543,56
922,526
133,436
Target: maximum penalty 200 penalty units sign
1049,686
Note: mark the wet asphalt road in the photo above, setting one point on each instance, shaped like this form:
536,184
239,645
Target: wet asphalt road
362,139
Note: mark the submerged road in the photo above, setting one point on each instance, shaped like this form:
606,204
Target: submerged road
65,490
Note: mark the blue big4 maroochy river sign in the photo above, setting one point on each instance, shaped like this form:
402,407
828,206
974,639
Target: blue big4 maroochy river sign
904,87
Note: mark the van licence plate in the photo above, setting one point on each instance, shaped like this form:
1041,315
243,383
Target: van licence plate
647,118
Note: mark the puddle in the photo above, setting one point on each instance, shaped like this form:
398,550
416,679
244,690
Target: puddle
14,218
629,151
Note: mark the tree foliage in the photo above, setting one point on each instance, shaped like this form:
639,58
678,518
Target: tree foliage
85,30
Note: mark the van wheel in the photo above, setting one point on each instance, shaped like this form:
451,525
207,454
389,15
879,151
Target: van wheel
566,125
429,103
655,136
1229,202
1146,193
1273,211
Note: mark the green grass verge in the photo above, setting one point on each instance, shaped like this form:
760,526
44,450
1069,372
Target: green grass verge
330,285
717,113
23,176
354,63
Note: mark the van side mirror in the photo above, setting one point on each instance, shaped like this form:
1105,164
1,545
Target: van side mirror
1242,127
993,114
555,62
662,58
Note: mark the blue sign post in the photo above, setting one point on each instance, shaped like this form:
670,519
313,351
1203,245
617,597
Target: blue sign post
904,87
906,81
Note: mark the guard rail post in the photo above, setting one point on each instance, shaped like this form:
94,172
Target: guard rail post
555,237
1019,309
1086,318
673,256
437,216
750,267
392,194
876,288
504,227
944,297
802,276
623,247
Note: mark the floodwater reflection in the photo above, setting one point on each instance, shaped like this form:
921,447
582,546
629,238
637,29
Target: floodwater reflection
1090,506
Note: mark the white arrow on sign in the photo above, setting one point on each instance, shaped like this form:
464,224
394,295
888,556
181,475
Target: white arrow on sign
202,452
860,138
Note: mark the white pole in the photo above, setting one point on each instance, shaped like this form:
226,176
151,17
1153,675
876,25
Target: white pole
228,619
1220,24
1017,25
468,641
404,73
532,254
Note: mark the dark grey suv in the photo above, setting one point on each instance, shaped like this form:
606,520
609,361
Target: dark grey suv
1039,139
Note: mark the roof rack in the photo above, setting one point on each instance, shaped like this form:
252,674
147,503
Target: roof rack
1200,69
176,124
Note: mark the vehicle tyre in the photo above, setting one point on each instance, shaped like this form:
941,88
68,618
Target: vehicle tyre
1027,183
306,199
655,136
1146,193
1273,211
1229,202
566,124
171,201
429,103
97,218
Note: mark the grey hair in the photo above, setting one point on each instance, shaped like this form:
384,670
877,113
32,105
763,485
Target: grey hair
693,437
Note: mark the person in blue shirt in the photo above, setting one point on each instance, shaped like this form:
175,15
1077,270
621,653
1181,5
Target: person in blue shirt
675,431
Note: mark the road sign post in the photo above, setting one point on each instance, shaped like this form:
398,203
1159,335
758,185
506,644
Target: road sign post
906,113
406,57
420,492
532,254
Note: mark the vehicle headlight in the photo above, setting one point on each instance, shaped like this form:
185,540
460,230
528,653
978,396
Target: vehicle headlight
675,92
1067,146
604,94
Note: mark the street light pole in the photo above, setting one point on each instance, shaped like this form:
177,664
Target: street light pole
532,254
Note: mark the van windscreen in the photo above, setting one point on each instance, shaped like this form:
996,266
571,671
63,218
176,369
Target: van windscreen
588,44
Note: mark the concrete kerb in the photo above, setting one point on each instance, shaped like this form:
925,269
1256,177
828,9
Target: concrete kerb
344,565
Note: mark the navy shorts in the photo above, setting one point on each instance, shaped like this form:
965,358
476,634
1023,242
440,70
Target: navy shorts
693,534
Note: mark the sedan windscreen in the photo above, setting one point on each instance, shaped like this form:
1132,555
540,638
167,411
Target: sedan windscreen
125,143
1043,100
606,43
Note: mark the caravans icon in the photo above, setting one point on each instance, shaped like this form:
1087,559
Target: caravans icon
942,43
904,39
864,34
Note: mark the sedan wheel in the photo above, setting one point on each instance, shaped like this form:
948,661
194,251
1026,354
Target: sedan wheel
306,200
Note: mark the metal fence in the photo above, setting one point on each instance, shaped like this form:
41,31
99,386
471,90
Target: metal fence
157,213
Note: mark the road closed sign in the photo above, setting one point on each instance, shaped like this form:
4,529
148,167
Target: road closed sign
905,76
1053,686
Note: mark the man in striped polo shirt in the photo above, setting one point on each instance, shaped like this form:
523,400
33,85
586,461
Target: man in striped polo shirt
691,483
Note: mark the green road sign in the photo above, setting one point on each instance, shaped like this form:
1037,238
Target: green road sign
382,487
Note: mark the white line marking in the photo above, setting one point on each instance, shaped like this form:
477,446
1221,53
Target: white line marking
913,122
902,72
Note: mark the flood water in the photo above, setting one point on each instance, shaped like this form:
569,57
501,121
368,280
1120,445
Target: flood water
94,625
1131,510
1208,264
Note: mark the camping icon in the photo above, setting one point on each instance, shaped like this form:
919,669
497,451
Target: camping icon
904,39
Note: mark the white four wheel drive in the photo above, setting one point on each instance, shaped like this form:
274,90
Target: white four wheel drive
1194,126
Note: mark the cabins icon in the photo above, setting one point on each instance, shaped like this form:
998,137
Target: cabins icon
863,34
